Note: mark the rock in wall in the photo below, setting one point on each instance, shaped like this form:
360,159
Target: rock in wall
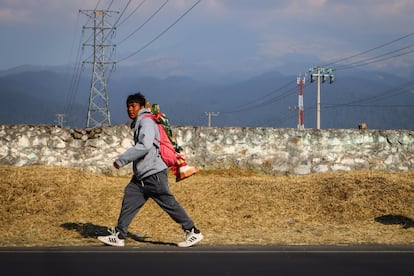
268,150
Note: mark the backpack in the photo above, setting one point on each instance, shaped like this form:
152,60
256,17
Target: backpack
164,145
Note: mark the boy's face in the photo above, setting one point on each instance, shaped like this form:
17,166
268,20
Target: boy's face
133,109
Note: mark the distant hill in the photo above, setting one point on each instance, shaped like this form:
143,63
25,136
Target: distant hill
34,95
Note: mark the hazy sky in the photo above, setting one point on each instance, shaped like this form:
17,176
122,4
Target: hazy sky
221,36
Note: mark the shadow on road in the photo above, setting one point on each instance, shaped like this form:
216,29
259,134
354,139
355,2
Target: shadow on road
90,230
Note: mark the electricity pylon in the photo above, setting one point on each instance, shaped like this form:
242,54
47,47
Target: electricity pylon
102,34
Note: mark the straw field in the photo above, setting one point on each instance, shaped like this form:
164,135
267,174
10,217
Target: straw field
54,206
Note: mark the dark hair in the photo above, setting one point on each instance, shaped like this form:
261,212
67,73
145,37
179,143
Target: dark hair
136,98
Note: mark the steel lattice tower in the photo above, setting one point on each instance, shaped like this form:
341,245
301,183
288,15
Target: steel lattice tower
101,42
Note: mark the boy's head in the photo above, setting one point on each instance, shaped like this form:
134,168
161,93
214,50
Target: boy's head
134,104
136,98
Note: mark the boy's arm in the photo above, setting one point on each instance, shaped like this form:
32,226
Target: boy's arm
144,142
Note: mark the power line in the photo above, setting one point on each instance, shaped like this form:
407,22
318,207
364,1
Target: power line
97,4
386,94
110,5
371,105
162,33
122,13
74,82
133,12
145,22
367,51
379,58
263,102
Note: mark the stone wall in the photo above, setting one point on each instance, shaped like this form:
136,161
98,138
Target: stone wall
269,150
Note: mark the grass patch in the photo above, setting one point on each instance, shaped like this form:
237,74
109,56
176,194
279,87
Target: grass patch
55,206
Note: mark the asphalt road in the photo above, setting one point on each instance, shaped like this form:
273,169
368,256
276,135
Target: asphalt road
208,260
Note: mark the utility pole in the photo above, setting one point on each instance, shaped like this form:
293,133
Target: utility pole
60,119
103,32
209,114
321,73
301,113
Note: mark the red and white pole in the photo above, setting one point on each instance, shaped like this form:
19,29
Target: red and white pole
301,113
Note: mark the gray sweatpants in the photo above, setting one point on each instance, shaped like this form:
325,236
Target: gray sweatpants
137,193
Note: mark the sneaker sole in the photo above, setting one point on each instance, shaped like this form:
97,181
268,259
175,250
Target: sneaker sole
110,243
185,244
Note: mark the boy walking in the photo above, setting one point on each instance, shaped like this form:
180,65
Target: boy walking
150,179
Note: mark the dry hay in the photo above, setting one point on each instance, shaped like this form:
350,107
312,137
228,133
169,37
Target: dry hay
53,206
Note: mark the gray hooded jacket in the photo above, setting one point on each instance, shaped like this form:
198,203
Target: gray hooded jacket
144,155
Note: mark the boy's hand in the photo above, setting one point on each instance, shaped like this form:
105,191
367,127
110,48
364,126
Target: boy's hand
116,165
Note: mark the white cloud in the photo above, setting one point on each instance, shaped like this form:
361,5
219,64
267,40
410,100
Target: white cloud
262,14
8,15
42,12
217,34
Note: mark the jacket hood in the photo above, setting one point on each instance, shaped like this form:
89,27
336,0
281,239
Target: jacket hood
141,113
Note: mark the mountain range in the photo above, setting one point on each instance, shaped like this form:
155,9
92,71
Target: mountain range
36,94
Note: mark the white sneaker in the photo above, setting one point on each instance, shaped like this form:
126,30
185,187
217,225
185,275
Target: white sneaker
112,239
191,238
